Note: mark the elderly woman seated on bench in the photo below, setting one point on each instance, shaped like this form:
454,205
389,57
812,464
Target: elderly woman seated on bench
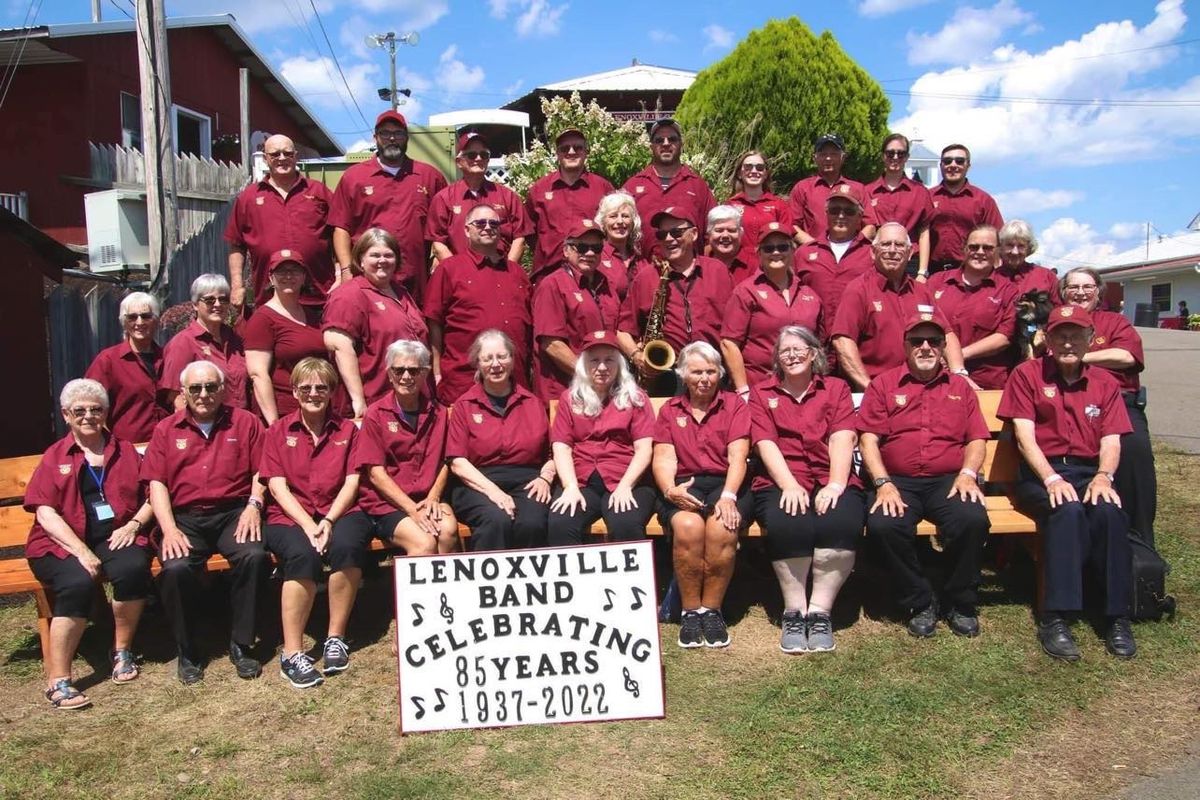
91,518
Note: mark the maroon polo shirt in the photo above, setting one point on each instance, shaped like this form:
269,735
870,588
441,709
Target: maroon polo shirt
702,447
619,271
412,455
554,206
700,297
801,428
739,270
1033,278
757,311
448,215
820,270
923,428
1113,330
194,343
368,197
134,406
756,215
373,320
873,314
807,204
288,342
263,222
909,203
603,443
975,312
205,469
686,190
1068,420
315,471
955,215
466,296
517,436
55,483
568,307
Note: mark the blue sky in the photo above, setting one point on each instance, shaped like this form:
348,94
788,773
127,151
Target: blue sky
1082,117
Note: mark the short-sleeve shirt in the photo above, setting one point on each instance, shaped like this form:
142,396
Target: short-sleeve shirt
135,401
205,469
821,270
603,443
1032,278
373,320
368,196
411,454
568,306
264,222
756,215
873,314
554,206
288,342
975,312
757,311
518,435
55,483
1068,419
923,427
695,303
315,471
685,190
955,215
801,428
1113,330
807,204
619,271
909,203
195,343
702,446
448,215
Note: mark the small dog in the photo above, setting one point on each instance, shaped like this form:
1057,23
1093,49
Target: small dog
1033,310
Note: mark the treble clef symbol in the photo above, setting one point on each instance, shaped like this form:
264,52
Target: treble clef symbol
417,609
631,685
446,611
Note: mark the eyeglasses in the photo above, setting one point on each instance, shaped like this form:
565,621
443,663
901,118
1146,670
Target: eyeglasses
959,160
794,353
399,371
754,167
195,389
975,247
842,211
568,149
895,153
664,140
79,412
497,358
318,389
674,233
586,247
775,248
480,224
933,341
1080,289
477,155
280,155
145,315
391,136
215,299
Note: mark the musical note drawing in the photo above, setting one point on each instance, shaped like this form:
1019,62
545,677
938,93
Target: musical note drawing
446,611
441,699
417,609
638,594
609,593
420,707
631,685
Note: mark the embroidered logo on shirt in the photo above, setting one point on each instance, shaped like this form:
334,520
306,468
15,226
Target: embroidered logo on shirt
1091,411
878,304
578,297
291,441
478,418
935,203
874,201
954,397
64,469
901,399
938,294
393,426
995,300
772,402
181,444
681,422
456,210
380,305
1100,339
639,189
258,201
206,350
549,195
422,189
812,256
368,190
1049,391
607,263
762,293
340,442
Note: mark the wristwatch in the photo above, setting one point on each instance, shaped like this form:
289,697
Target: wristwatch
254,501
881,481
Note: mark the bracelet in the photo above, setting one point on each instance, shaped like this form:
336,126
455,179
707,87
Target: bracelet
543,477
835,485
1054,478
744,390
138,523
963,372
970,473
255,502
729,496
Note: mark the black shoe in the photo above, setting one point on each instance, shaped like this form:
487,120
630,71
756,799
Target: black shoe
247,666
690,632
923,623
715,632
963,622
1057,641
1119,639
188,670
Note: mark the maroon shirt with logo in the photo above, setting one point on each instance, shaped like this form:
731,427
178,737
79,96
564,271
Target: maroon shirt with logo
699,298
288,342
203,469
448,215
411,455
873,315
134,398
807,204
686,190
566,306
909,203
603,443
757,311
195,343
554,206
955,215
702,447
1033,278
975,312
801,428
756,215
315,471
517,436
818,268
1113,330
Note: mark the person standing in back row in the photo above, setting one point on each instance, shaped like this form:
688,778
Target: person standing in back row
667,182
808,199
959,207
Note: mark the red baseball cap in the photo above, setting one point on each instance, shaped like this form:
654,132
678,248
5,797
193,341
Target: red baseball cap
846,192
394,116
1069,315
598,339
584,226
466,137
677,212
772,229
924,318
281,257
570,132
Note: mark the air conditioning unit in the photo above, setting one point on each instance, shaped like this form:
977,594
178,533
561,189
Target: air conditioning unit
118,238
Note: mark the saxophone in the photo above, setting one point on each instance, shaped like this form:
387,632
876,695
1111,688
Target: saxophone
657,353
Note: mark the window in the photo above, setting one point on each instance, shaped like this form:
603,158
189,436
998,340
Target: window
192,132
1160,296
131,121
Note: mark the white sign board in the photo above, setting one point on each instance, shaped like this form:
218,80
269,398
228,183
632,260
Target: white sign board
525,637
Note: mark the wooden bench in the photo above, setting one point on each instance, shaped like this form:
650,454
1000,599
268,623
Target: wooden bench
1000,471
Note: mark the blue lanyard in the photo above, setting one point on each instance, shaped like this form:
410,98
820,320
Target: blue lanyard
98,479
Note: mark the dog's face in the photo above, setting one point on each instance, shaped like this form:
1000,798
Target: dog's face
1034,307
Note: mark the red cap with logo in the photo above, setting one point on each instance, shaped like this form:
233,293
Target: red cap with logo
392,116
583,226
772,229
281,257
678,212
466,137
1069,315
597,339
846,192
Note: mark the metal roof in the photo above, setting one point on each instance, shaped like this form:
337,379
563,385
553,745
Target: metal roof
638,77
1162,251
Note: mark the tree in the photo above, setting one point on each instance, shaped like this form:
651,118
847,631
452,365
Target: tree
796,86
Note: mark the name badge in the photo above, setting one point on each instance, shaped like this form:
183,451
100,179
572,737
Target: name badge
104,511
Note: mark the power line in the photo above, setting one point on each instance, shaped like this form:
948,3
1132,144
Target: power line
1052,101
336,63
14,59
118,7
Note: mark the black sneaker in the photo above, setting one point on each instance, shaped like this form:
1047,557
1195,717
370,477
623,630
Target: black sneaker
690,632
923,623
963,621
715,632
1057,641
336,655
1119,639
246,665
299,670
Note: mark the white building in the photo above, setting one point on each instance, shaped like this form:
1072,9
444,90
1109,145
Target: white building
1156,276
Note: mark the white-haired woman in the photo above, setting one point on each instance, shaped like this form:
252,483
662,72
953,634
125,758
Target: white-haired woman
91,518
1017,244
498,447
209,338
130,371
723,232
621,257
400,454
805,495
602,440
701,444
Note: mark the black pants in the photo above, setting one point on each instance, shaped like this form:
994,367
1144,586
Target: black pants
1135,479
491,528
208,533
839,528
72,589
622,526
298,559
1075,535
963,527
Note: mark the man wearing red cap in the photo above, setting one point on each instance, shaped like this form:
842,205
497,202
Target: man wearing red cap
447,217
959,207
556,202
808,198
667,182
390,191
923,439
1068,418
840,254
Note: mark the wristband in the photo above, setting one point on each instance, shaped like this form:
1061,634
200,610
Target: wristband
744,390
1108,476
137,524
729,496
543,477
970,473
835,485
963,372
1054,478
255,502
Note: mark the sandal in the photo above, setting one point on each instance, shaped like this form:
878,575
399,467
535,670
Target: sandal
65,697
124,667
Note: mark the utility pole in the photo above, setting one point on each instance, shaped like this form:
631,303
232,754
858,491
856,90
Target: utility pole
158,152
244,118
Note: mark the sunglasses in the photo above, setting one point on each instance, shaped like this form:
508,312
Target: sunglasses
567,149
842,211
783,247
215,299
79,412
280,155
318,389
400,371
481,224
895,153
663,140
975,247
948,160
391,136
145,315
754,167
195,389
674,233
586,247
477,155
933,341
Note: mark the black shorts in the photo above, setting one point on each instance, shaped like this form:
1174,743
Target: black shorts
707,489
72,590
347,549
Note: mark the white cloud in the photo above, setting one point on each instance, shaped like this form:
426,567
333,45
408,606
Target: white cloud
352,36
514,88
959,104
718,38
454,76
540,18
1127,230
969,33
662,37
499,8
1068,243
412,14
881,8
1023,202
316,80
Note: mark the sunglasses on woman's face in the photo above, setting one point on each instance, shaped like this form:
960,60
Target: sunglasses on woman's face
145,316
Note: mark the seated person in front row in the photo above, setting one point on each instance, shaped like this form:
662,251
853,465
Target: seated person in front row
923,439
1068,418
